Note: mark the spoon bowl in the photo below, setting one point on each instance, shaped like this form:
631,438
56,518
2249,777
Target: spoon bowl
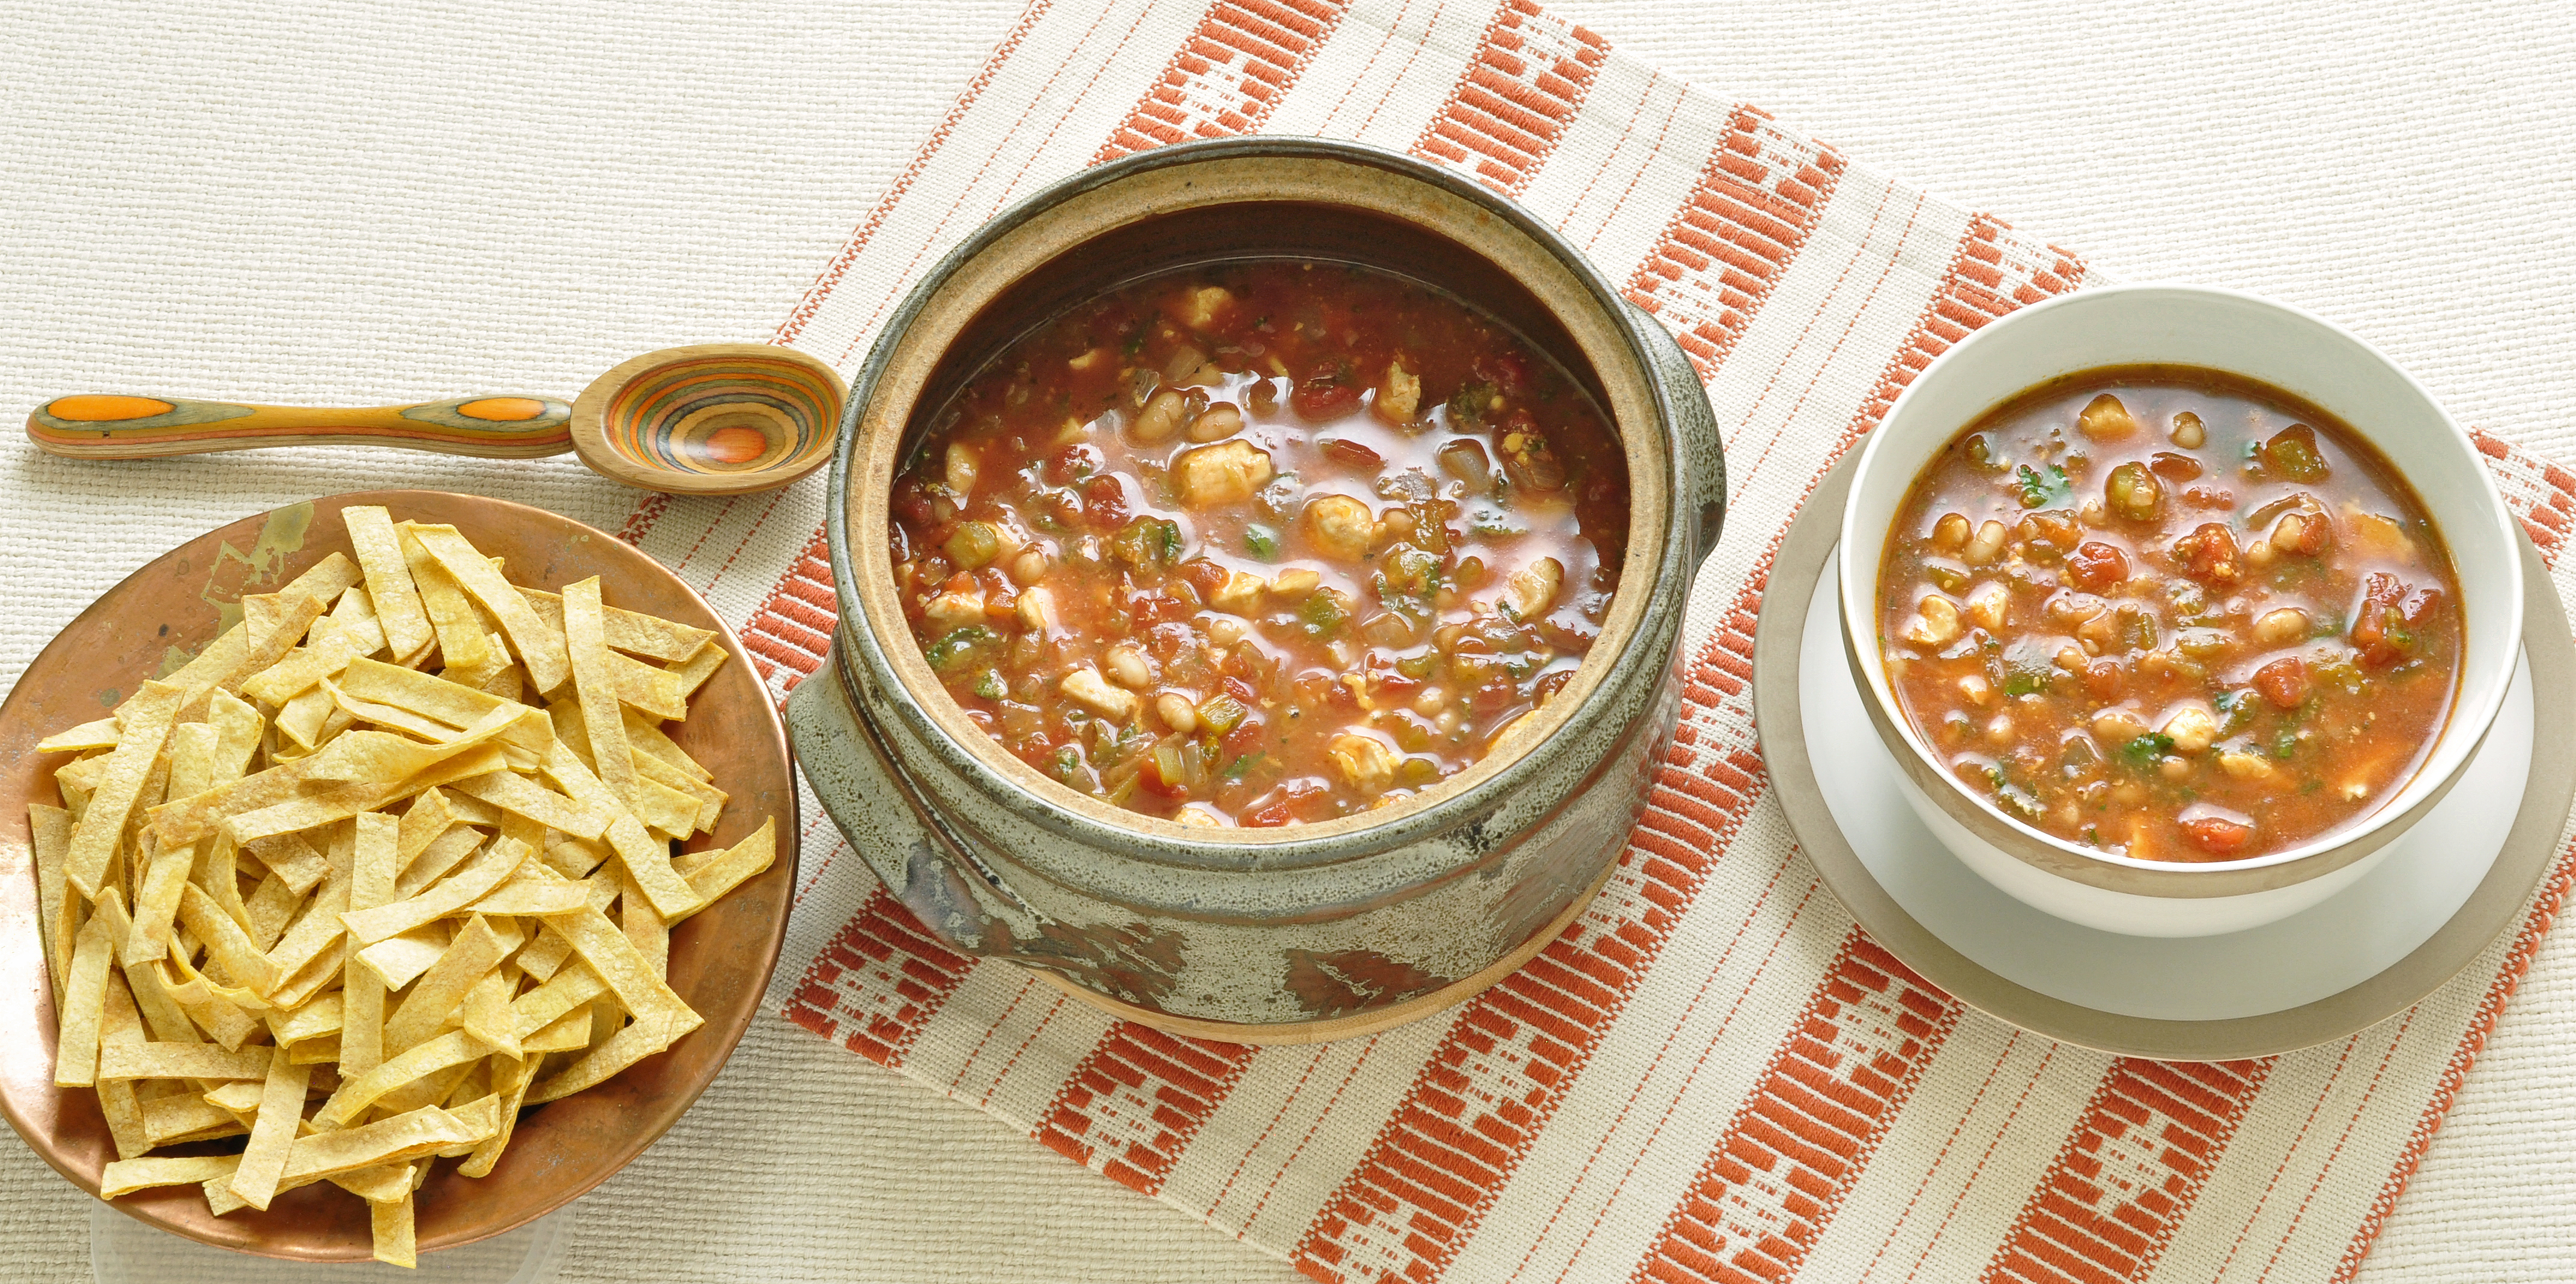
706,419
712,419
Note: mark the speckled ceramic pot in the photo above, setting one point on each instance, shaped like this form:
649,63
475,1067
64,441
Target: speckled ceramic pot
1258,935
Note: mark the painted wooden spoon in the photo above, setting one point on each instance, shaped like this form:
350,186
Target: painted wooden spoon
708,419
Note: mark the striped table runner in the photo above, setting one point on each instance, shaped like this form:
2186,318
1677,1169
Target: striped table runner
1713,1075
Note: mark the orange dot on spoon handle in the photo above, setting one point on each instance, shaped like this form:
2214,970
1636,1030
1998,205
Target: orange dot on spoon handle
503,409
96,408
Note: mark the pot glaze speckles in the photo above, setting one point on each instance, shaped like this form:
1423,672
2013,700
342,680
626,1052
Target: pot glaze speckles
1263,935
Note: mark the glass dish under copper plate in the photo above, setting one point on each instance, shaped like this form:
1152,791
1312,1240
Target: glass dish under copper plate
720,958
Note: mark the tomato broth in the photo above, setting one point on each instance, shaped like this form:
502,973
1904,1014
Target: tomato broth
2170,614
1260,543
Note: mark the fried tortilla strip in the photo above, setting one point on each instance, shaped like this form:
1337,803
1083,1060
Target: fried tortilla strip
76,1045
156,902
341,801
659,693
693,672
116,1101
709,799
535,889
476,879
543,955
596,691
569,1033
474,954
272,1133
389,582
540,646
380,1184
515,793
238,1096
645,1037
327,650
146,725
316,1052
162,1014
362,989
227,943
644,929
486,1014
305,720
637,850
50,832
398,959
627,973
271,907
126,1176
403,1137
167,1121
429,817
314,933
277,621
441,857
410,690
723,871
356,614
237,727
180,1061
512,1085
448,1050
100,734
325,580
325,1015
463,643
650,636
291,858
385,715
389,1224
567,994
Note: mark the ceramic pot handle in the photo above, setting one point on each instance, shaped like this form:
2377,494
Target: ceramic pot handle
877,810
93,426
1701,452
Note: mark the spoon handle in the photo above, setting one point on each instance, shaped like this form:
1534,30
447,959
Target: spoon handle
92,426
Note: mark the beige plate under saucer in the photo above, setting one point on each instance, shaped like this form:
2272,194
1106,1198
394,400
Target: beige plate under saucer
2495,903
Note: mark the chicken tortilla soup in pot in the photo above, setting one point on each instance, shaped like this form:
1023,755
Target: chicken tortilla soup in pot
1260,543
2170,614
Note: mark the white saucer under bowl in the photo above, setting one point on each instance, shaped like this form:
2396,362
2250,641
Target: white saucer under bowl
2439,895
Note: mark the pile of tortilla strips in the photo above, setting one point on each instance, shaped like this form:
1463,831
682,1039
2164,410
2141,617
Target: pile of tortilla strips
386,862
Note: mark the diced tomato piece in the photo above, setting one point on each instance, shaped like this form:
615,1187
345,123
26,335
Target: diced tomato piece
1270,817
2174,466
1152,778
1154,606
912,505
2208,554
2284,682
1248,737
1241,690
1326,395
1204,575
1073,463
2383,599
2106,680
2217,835
1106,497
1508,371
2096,566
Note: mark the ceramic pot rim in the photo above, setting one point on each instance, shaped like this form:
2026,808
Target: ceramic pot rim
1666,571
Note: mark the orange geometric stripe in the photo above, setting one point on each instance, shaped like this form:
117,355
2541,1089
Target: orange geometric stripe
792,631
1785,1162
1520,92
2111,1200
1136,1101
1229,76
1759,197
1988,277
878,983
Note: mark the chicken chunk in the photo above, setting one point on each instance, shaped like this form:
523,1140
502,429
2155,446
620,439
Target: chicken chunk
1365,762
1531,590
955,609
1240,594
1341,526
1087,688
1400,397
1225,473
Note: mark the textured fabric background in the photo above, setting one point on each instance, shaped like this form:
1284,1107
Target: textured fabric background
349,204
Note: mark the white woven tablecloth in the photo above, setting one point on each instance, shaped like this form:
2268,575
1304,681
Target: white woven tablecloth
348,204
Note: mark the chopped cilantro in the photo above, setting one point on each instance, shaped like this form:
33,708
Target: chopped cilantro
952,652
989,686
2144,750
2038,489
1261,541
1235,770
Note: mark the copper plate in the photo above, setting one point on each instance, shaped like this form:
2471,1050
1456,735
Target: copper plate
720,959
